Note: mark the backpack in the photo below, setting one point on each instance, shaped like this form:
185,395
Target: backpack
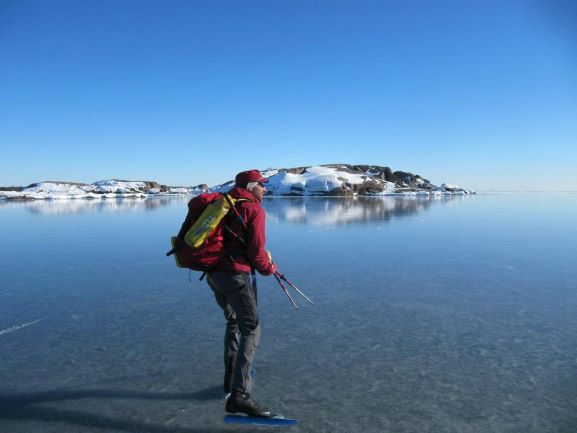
200,243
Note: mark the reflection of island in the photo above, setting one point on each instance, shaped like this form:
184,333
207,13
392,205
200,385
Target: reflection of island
57,207
304,210
347,210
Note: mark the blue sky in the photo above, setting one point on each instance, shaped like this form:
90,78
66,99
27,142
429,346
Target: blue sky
479,93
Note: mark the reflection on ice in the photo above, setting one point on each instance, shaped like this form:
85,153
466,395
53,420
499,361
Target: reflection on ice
348,210
324,211
56,207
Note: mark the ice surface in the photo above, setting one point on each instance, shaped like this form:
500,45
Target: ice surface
432,315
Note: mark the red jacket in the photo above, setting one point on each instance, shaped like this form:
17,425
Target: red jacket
242,257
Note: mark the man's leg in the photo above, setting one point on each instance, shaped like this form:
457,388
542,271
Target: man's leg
231,343
237,289
238,292
231,336
243,302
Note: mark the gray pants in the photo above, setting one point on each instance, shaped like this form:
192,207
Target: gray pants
235,295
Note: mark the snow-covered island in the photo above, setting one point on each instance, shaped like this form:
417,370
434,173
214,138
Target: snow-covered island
322,180
98,190
348,180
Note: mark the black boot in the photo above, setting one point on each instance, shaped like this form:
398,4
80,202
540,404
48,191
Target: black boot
243,402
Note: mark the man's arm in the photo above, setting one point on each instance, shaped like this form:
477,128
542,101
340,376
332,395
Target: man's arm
256,240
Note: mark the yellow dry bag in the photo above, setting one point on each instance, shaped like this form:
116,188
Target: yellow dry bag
208,220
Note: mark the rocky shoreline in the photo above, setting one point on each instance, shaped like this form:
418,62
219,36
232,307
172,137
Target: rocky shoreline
321,180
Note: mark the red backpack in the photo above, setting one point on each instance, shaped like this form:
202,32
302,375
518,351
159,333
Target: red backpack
211,251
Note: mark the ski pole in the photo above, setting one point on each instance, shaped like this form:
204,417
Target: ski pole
286,291
282,277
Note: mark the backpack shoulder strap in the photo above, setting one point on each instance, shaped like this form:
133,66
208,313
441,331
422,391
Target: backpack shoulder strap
232,202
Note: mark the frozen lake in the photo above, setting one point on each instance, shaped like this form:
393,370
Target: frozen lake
432,315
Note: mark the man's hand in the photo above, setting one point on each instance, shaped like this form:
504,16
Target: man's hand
273,267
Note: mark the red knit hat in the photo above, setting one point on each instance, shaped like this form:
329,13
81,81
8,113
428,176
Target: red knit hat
244,177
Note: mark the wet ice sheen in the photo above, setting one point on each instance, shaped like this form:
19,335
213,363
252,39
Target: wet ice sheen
430,315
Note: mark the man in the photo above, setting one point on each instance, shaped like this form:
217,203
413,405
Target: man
234,291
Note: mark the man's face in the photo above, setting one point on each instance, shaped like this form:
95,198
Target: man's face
258,191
